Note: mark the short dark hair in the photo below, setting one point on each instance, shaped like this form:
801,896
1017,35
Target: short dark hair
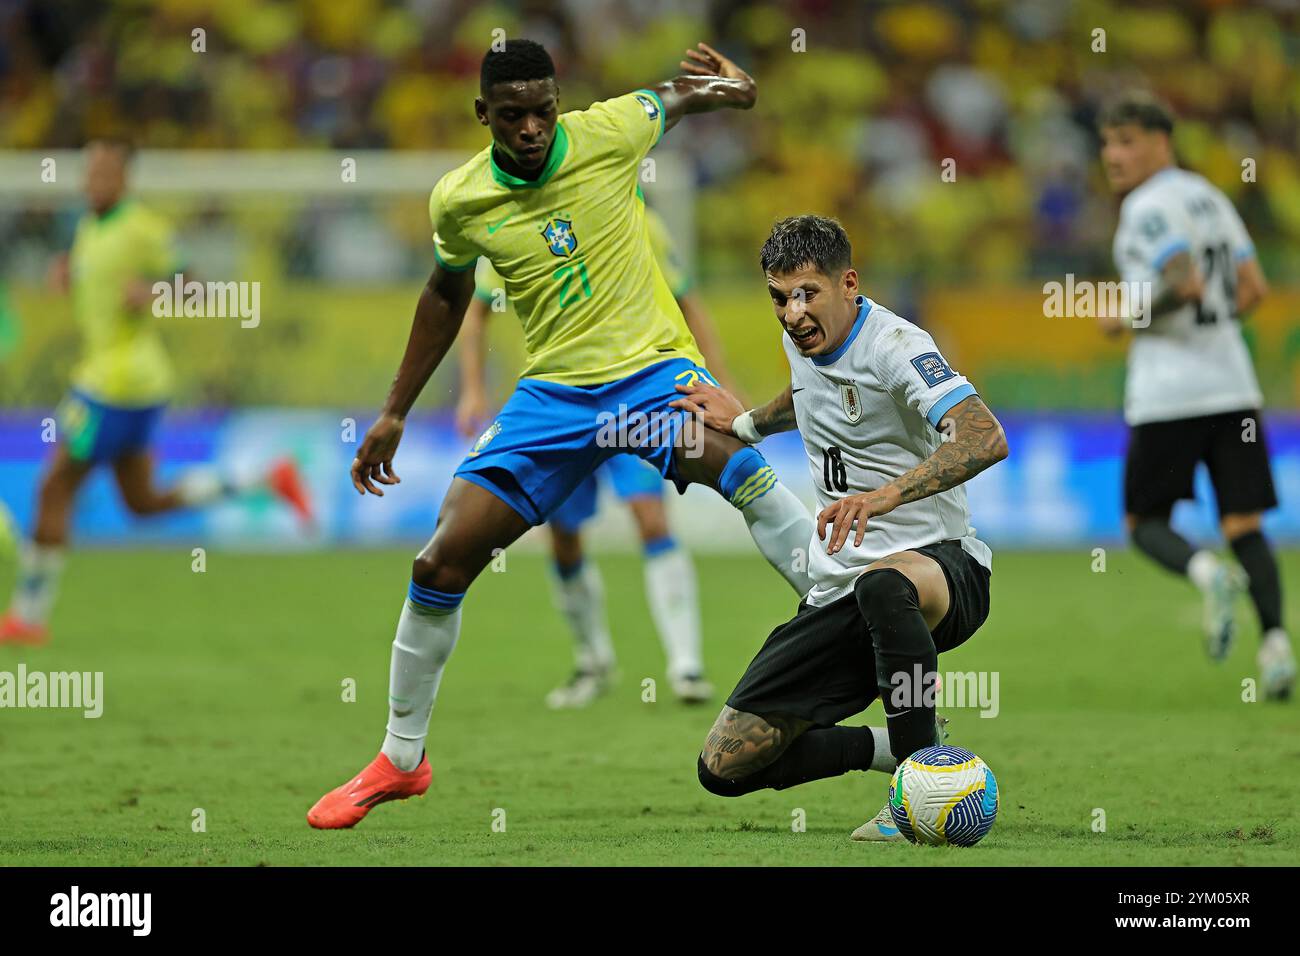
1139,107
807,240
118,142
519,61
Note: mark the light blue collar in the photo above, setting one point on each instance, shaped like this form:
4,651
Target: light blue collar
864,309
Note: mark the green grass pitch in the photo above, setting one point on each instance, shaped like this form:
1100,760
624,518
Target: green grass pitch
224,691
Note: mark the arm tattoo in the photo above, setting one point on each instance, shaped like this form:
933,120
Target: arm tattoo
740,744
777,415
977,442
1177,276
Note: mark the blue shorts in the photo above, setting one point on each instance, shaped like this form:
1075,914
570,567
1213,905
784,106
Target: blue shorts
96,432
631,478
550,438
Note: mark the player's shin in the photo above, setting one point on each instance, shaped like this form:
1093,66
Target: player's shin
814,755
672,594
426,634
781,526
1260,565
39,569
906,659
580,597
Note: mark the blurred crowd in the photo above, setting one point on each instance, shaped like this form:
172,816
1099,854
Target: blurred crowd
862,105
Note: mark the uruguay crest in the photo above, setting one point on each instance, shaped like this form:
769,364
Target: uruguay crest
559,237
852,402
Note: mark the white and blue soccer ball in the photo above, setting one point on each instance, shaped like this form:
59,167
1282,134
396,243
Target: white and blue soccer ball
943,796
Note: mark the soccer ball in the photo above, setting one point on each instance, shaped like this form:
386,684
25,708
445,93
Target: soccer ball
942,796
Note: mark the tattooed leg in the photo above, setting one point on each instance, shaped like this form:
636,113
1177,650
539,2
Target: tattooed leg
746,752
740,744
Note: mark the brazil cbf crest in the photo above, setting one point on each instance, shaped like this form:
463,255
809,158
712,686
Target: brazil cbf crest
852,402
493,430
559,237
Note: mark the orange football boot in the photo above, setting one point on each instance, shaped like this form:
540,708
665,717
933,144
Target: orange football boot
380,782
286,481
14,630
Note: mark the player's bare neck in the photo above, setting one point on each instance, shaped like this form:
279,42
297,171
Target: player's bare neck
108,210
508,165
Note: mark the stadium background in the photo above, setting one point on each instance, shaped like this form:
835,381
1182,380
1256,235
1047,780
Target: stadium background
242,143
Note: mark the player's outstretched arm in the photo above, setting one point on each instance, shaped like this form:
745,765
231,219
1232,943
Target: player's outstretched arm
711,82
974,440
723,412
438,316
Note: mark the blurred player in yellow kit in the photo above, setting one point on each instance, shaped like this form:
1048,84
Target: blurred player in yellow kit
671,589
119,388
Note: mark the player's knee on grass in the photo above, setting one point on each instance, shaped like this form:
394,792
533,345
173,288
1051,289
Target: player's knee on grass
724,786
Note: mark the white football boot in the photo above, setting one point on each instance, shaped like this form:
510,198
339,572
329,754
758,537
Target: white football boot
1276,665
692,689
583,688
881,828
1218,617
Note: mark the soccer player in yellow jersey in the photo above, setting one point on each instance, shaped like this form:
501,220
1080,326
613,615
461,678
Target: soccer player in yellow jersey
552,204
671,587
119,387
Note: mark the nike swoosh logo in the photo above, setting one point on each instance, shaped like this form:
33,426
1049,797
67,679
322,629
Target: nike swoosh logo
494,227
793,390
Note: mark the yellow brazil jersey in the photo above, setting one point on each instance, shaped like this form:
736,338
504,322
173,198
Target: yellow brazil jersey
487,280
572,248
123,361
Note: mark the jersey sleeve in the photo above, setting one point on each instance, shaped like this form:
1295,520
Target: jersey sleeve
917,375
630,124
450,247
156,246
1147,238
1242,246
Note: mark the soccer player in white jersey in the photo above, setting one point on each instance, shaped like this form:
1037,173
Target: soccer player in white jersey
898,575
1191,394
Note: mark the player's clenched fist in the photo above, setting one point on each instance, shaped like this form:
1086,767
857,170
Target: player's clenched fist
374,462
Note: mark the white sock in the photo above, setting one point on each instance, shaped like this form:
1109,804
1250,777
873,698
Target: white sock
580,597
425,639
673,597
1277,637
783,530
1202,568
882,759
39,569
201,486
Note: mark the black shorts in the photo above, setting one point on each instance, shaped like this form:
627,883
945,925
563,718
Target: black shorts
1162,458
820,665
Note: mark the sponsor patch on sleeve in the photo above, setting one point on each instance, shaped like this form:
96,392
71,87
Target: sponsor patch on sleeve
649,105
932,368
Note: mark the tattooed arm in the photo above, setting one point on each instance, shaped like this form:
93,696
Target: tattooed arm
777,415
974,440
719,409
740,744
